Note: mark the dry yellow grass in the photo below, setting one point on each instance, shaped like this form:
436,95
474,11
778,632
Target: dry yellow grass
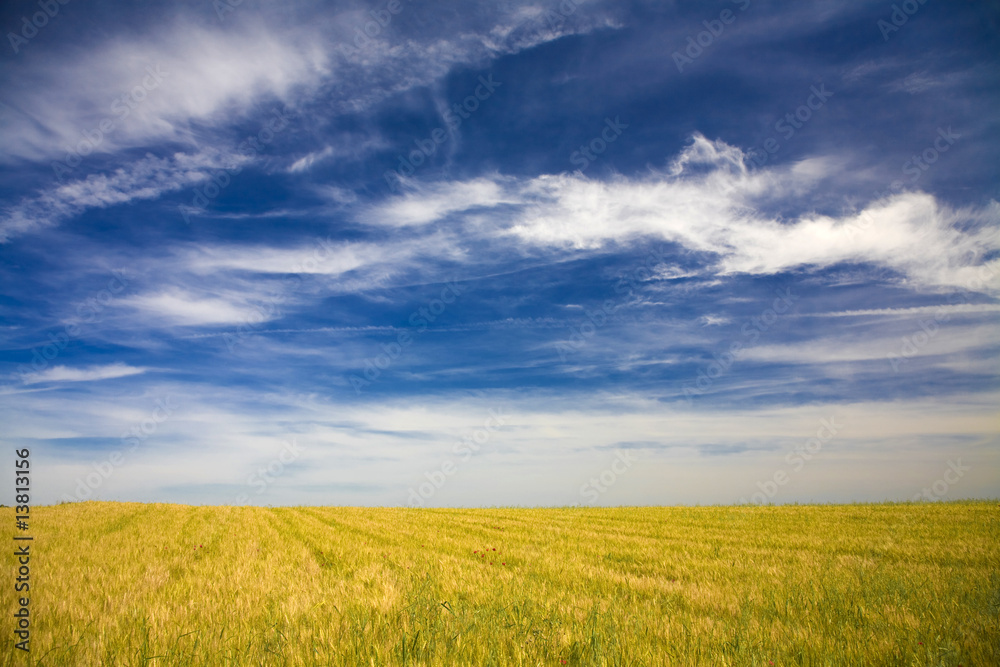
133,584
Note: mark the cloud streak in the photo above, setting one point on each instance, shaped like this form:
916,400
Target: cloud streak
58,374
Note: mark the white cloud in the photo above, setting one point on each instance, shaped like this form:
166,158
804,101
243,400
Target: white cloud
148,178
323,257
943,310
709,201
918,82
365,261
350,147
185,308
952,343
201,74
85,374
207,74
434,202
248,285
305,162
336,195
206,78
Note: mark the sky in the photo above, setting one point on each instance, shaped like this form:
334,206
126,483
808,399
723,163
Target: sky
440,254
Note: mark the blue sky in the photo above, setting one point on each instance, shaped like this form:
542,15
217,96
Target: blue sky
464,254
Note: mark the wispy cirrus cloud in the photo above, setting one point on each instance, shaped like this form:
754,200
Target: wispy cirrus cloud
185,308
148,178
209,73
349,148
59,374
434,202
209,77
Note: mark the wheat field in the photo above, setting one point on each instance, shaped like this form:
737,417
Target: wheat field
871,584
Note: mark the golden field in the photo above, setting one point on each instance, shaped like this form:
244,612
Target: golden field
870,584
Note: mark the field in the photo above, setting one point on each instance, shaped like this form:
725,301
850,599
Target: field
884,584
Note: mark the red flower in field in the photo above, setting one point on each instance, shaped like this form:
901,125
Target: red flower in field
494,548
503,563
920,643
